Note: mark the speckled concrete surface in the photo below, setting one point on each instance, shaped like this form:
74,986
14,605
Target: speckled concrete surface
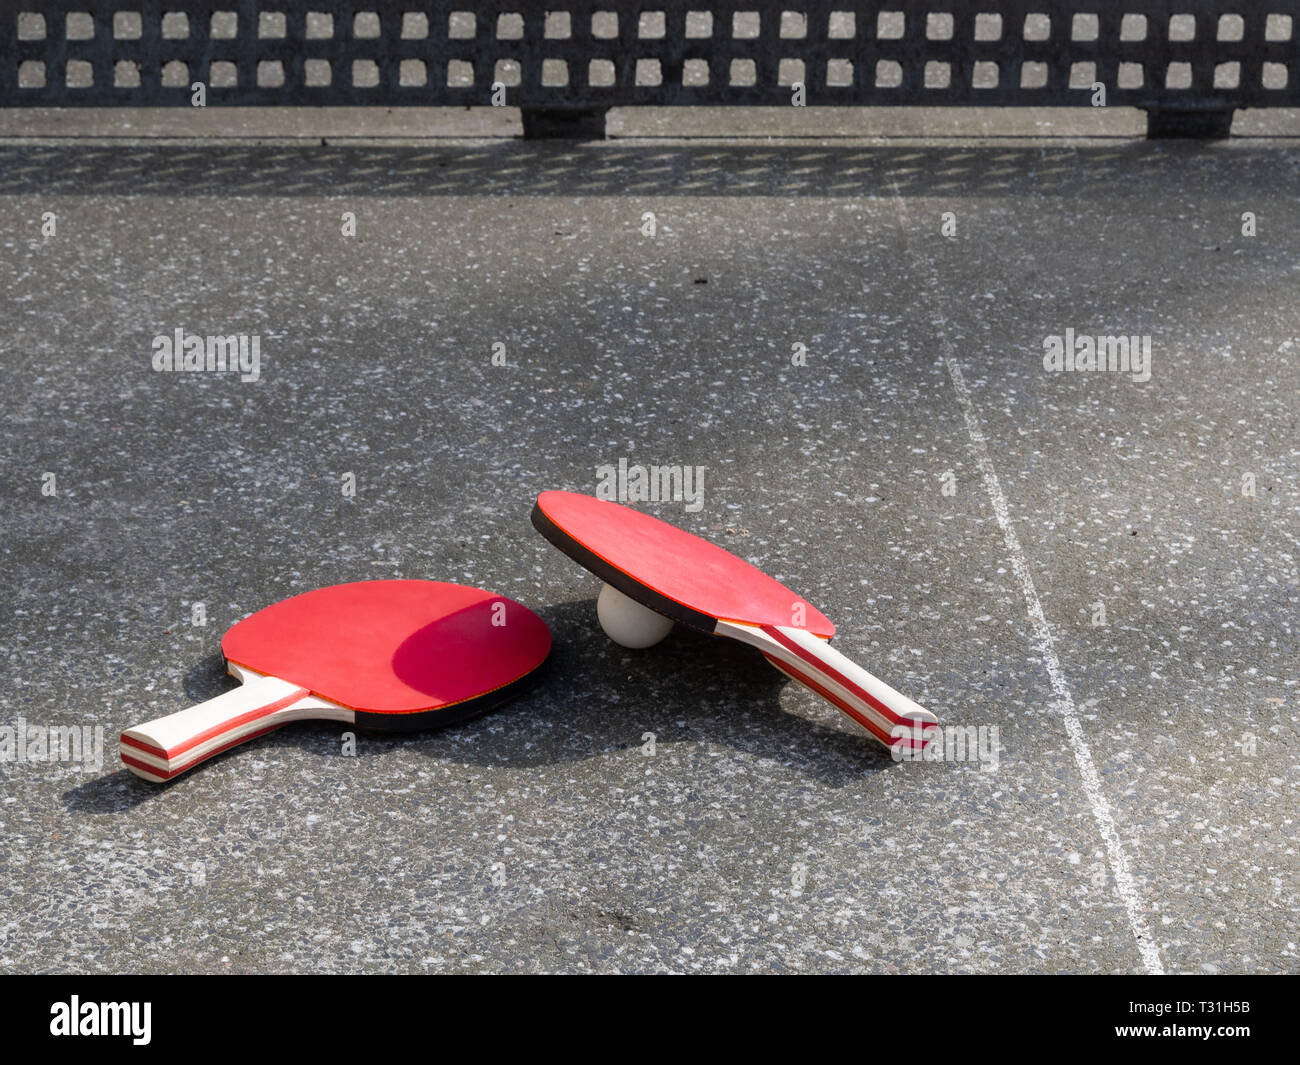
758,830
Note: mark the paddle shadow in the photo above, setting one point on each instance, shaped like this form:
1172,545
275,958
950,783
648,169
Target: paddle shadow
598,698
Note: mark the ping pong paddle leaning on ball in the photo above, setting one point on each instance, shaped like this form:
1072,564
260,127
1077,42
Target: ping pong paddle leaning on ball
656,574
388,655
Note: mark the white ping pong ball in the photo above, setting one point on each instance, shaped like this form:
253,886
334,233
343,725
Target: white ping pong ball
627,622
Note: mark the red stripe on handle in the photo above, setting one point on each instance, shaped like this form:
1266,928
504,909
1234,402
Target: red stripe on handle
151,748
217,730
167,774
858,716
835,675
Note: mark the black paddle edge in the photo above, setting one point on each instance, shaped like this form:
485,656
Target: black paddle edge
457,712
616,578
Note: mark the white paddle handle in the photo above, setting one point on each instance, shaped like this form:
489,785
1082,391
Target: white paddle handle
168,746
888,715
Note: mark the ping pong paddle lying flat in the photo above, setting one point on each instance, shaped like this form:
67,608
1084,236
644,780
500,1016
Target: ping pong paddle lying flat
390,655
699,584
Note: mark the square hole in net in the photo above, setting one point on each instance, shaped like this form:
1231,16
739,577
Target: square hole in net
745,25
1231,28
938,26
843,25
460,73
890,25
1182,27
175,26
510,26
649,72
224,26
1273,76
604,24
558,27
889,73
600,73
78,74
365,74
127,26
839,73
175,74
1133,28
271,25
1227,75
126,74
695,72
1131,76
988,26
31,27
1083,26
507,72
461,25
412,74
270,74
699,24
789,72
320,26
415,26
1277,28
1033,75
555,72
79,26
1083,74
365,25
31,74
317,73
938,74
223,74
652,25
1038,26
794,25
984,74
742,72
1178,76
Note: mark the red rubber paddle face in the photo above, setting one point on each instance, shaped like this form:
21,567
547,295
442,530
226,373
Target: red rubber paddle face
393,647
668,569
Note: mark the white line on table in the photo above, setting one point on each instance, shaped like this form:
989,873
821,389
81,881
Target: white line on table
1101,812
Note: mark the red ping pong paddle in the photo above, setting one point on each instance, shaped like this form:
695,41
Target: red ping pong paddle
389,655
692,581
